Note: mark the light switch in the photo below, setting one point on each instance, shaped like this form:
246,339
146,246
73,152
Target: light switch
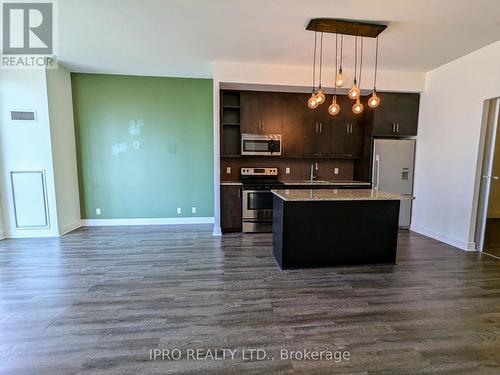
336,171
287,170
97,211
228,170
179,210
193,210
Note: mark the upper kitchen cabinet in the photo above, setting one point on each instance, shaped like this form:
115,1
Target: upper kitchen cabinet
397,115
307,133
260,112
322,131
298,125
349,131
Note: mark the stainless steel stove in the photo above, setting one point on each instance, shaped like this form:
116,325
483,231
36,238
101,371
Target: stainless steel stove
257,198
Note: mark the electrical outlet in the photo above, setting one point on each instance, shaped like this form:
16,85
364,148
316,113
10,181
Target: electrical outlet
336,171
136,144
179,210
287,170
228,170
193,210
97,211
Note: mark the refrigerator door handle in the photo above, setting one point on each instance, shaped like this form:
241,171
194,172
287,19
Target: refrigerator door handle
377,173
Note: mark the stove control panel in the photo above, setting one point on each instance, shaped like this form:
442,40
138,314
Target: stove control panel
259,171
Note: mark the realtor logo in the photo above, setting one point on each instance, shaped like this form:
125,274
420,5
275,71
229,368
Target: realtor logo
28,34
27,28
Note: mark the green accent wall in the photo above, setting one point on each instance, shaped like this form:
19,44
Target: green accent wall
144,145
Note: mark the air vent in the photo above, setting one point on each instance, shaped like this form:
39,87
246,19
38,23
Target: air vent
23,116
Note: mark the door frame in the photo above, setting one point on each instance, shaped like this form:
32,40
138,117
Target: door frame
484,169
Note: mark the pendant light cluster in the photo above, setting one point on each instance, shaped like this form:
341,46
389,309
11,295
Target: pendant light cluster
317,95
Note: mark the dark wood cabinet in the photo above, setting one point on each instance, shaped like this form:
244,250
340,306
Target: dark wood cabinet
230,208
397,115
349,131
349,140
261,112
314,133
323,133
307,133
298,124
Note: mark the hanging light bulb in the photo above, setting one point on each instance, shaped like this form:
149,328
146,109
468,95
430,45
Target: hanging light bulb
312,102
320,96
339,80
357,108
354,91
374,101
334,108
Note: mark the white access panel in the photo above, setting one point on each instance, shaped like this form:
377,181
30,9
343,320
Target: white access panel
30,199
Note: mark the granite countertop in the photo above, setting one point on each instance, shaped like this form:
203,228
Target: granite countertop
324,182
237,183
338,195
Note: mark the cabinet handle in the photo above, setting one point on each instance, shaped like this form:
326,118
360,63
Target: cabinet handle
316,127
350,128
394,127
347,128
397,127
262,125
320,127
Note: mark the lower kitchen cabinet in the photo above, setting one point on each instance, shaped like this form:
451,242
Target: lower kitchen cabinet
230,208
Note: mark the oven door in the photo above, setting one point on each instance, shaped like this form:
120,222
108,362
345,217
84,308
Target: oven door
257,205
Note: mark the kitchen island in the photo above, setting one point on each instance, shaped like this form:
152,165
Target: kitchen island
332,227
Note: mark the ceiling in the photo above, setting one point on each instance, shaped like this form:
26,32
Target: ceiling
183,37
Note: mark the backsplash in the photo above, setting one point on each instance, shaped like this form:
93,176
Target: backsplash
300,169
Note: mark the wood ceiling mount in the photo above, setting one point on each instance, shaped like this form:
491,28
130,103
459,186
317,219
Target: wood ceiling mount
346,27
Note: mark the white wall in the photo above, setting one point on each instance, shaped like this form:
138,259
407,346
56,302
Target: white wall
448,142
62,132
296,76
23,146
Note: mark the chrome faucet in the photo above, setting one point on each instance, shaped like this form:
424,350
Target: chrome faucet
314,167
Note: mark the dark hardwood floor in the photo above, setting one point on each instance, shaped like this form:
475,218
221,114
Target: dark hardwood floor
492,237
97,300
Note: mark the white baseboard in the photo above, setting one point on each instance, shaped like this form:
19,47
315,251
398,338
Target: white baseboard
217,232
31,233
462,245
70,227
148,221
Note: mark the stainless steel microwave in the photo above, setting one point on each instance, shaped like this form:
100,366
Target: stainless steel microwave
265,145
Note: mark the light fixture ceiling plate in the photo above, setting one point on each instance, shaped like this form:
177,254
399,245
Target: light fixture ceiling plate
346,27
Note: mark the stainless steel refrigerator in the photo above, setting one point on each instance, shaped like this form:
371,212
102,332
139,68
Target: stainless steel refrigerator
393,163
